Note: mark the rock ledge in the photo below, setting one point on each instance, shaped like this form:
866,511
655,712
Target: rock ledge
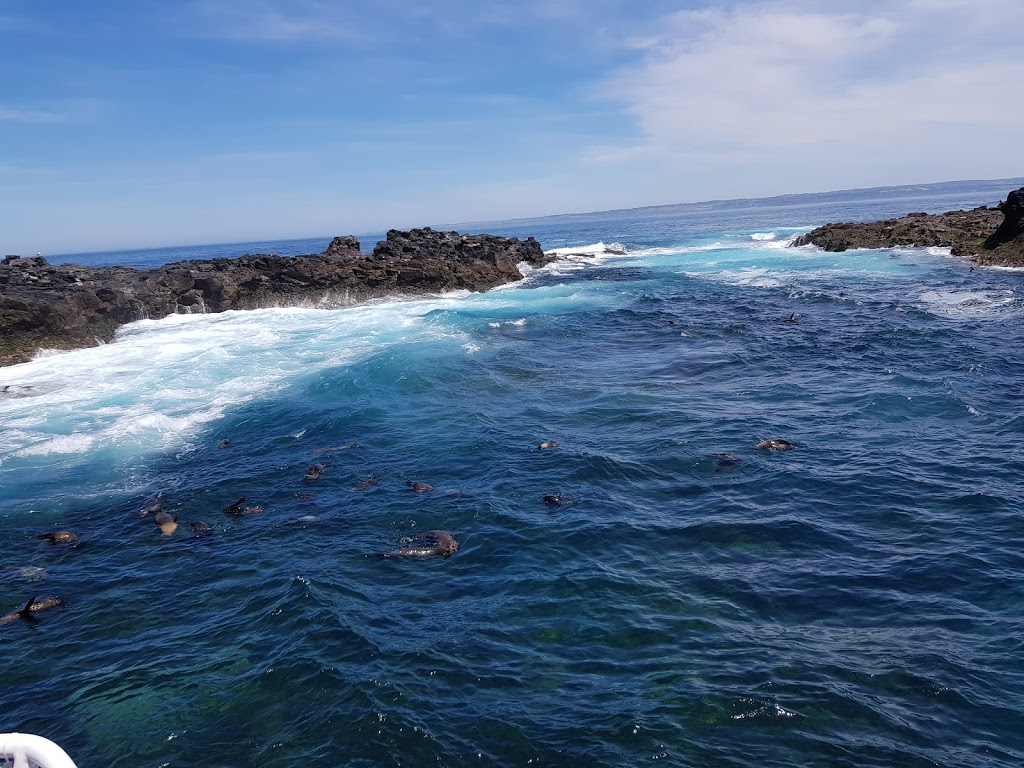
69,306
990,236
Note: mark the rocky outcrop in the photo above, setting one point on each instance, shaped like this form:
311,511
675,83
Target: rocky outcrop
993,236
1012,228
68,306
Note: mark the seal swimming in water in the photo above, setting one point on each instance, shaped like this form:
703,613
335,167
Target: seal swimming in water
152,506
225,443
200,527
419,487
553,499
33,606
775,445
369,482
58,537
167,522
348,447
314,471
237,509
428,544
547,444
725,461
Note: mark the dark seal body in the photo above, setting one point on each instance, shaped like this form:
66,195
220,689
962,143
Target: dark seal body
775,445
153,506
58,537
31,608
429,544
167,522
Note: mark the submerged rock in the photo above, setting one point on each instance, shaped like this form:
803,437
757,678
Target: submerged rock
69,306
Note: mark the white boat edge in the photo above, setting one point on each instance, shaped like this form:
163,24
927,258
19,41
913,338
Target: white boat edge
25,750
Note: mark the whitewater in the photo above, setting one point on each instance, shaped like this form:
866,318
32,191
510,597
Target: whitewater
854,601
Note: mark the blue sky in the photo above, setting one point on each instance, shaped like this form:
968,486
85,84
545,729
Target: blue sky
146,123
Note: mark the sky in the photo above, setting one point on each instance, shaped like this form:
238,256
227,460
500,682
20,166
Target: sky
138,123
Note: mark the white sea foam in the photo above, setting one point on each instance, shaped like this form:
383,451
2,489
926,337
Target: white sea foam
162,381
594,249
753,277
61,444
762,236
960,303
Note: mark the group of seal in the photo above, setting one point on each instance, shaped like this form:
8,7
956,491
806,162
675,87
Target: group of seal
35,605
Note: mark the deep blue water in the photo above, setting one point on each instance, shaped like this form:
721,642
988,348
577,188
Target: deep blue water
856,601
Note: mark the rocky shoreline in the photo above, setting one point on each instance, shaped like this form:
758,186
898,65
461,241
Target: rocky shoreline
988,236
68,306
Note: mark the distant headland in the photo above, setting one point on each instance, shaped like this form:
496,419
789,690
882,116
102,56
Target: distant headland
992,236
69,306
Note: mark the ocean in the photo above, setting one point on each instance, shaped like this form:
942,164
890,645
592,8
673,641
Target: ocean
690,600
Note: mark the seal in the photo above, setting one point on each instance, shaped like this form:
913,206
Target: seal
428,544
198,526
58,537
419,487
32,607
553,499
225,443
775,444
547,444
348,447
237,509
167,522
152,506
314,471
725,461
17,390
369,482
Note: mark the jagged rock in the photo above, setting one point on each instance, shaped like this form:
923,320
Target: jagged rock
992,236
68,306
1013,221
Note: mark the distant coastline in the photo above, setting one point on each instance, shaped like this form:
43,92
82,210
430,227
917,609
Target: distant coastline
951,189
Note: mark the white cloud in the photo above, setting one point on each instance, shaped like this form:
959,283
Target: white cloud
67,111
274,20
30,116
875,85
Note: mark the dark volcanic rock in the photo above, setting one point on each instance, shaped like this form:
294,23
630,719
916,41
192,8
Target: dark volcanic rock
993,236
67,306
1013,222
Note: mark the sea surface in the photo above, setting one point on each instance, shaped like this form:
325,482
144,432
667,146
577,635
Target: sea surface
692,601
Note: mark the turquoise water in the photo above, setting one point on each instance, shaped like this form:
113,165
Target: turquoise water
856,601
